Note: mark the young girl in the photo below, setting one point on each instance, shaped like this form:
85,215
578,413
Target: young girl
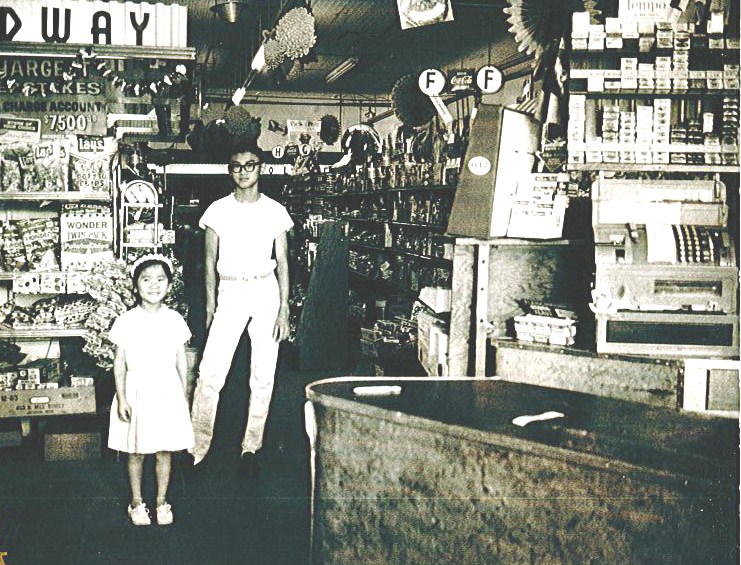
150,410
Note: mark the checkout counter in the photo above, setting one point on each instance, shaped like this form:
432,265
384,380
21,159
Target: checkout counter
479,470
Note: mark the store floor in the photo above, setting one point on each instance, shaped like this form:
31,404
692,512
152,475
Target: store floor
60,513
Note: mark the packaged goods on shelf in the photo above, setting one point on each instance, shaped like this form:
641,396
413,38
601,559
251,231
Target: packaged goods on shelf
11,179
86,236
40,240
90,164
45,166
72,313
14,252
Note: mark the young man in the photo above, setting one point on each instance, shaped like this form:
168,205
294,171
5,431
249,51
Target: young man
243,232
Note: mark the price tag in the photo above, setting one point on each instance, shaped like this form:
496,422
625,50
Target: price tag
479,165
279,151
304,149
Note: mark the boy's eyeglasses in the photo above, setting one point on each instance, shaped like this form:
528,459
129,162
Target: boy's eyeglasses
249,166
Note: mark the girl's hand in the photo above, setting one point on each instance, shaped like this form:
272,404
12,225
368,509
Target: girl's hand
282,328
124,410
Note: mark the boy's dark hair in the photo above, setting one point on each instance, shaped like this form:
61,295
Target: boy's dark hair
148,263
243,146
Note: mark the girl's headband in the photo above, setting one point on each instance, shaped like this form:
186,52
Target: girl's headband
151,257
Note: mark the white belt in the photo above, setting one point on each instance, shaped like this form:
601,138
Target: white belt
245,278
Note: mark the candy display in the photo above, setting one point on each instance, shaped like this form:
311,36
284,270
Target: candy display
14,252
45,166
40,241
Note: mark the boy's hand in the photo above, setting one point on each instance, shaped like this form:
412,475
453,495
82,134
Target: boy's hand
282,328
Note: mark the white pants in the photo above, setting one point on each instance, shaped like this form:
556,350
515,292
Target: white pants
239,303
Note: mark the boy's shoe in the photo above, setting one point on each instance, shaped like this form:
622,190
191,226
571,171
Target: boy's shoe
139,515
164,514
249,464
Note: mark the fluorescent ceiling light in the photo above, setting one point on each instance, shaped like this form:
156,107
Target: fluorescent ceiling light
341,69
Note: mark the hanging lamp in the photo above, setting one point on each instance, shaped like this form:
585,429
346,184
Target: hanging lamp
229,10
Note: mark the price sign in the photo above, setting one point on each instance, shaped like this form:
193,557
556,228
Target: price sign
304,149
479,165
279,151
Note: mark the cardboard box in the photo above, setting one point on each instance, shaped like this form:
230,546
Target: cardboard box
72,439
47,402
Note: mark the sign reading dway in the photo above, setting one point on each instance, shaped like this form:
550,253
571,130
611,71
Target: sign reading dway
97,23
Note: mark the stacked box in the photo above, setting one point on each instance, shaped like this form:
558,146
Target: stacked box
627,137
579,30
695,140
628,73
663,74
576,127
644,133
662,129
646,75
681,69
729,130
646,36
596,38
731,76
613,35
664,36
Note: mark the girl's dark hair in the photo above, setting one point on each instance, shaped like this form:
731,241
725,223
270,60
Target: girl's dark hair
148,263
244,146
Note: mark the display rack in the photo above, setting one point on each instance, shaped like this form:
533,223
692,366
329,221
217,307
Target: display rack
656,116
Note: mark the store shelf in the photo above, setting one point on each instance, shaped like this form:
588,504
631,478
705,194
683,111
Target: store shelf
10,275
418,225
371,221
61,196
650,94
396,251
42,333
629,52
376,280
190,169
430,188
101,51
352,194
649,167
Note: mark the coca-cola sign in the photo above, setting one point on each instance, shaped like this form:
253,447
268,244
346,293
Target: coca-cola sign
461,80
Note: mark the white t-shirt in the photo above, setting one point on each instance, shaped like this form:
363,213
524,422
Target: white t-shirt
247,231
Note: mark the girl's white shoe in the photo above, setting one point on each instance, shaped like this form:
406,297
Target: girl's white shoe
164,514
139,515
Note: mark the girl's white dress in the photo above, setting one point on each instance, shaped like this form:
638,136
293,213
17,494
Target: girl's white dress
160,419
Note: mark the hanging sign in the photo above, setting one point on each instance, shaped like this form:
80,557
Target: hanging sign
92,22
489,79
62,106
278,151
303,126
646,10
431,82
461,80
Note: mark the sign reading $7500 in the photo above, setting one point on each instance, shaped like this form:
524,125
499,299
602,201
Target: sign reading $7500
76,107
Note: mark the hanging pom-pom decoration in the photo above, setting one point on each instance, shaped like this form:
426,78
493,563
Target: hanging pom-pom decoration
274,55
410,104
241,125
330,129
295,33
